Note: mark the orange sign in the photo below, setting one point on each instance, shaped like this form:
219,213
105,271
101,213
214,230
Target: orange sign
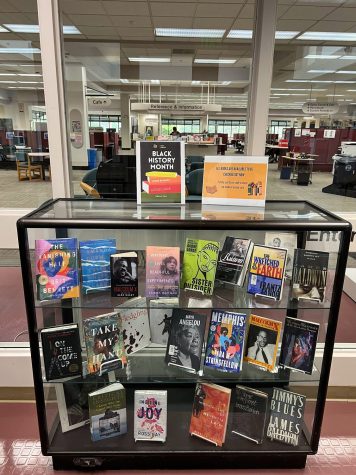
235,180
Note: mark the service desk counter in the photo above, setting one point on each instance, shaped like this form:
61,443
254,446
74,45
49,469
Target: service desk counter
200,148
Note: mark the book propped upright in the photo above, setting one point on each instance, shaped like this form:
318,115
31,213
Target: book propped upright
234,260
150,415
95,264
310,272
210,412
162,271
124,274
135,324
286,241
161,319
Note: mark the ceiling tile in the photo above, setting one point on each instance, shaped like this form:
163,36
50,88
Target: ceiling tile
243,24
310,12
126,8
134,33
90,20
14,18
172,10
342,14
281,10
131,21
294,25
98,30
23,6
332,26
221,23
166,22
248,11
80,6
8,7
33,18
8,36
222,10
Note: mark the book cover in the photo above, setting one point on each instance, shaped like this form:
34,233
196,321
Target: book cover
162,271
250,413
56,262
210,412
225,344
299,344
62,353
161,319
310,272
150,415
107,411
199,265
104,343
234,260
95,264
135,324
124,274
267,271
262,341
286,416
185,340
286,241
160,172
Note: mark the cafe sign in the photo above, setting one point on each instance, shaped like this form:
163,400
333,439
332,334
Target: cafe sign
324,108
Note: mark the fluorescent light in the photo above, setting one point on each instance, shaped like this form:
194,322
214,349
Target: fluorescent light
224,83
154,81
294,89
215,61
321,56
243,34
189,32
351,90
150,60
345,72
3,30
29,82
311,81
321,71
286,35
327,36
348,57
124,81
334,95
345,82
18,28
19,50
8,82
7,74
29,74
196,83
70,30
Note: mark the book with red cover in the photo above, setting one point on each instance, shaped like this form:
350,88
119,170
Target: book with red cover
210,412
164,187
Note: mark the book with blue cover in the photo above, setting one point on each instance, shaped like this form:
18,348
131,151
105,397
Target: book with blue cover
95,262
224,350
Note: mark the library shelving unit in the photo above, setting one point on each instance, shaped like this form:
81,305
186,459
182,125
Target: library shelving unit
62,405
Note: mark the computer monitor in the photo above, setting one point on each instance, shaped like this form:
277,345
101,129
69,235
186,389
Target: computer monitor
9,135
19,140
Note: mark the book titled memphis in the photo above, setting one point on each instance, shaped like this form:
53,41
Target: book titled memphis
150,415
162,271
160,169
299,345
225,341
310,272
104,343
61,351
107,411
56,262
95,264
267,271
233,260
199,265
286,416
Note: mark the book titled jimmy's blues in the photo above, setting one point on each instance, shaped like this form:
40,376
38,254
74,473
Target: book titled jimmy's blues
233,260
56,262
225,341
95,264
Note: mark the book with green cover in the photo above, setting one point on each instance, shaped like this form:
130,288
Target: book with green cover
199,265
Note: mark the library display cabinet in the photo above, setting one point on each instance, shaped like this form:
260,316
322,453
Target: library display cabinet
62,405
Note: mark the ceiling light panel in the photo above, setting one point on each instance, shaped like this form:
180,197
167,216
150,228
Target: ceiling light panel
18,28
286,35
189,32
322,71
242,34
19,50
327,36
321,56
345,72
150,60
214,61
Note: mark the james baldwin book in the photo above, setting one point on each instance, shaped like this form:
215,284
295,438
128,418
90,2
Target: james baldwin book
150,415
95,264
162,271
233,260
267,271
185,341
107,410
56,263
124,274
210,412
262,341
225,341
299,344
286,416
161,319
250,413
199,265
310,272
104,343
135,324
61,351
286,241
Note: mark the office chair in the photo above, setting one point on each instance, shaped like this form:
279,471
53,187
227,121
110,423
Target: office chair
194,184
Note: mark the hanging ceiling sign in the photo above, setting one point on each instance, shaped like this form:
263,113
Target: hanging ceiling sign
325,108
173,107
99,101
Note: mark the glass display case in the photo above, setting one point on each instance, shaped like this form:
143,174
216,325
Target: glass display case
62,404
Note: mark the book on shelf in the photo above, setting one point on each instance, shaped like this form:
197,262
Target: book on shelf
107,411
286,416
267,271
135,324
104,343
299,344
225,343
62,353
124,274
199,265
286,241
234,260
162,271
250,413
56,266
210,412
150,415
95,264
262,341
161,318
310,272
185,340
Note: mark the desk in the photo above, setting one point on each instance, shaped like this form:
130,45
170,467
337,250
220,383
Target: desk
276,151
40,159
301,164
200,148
